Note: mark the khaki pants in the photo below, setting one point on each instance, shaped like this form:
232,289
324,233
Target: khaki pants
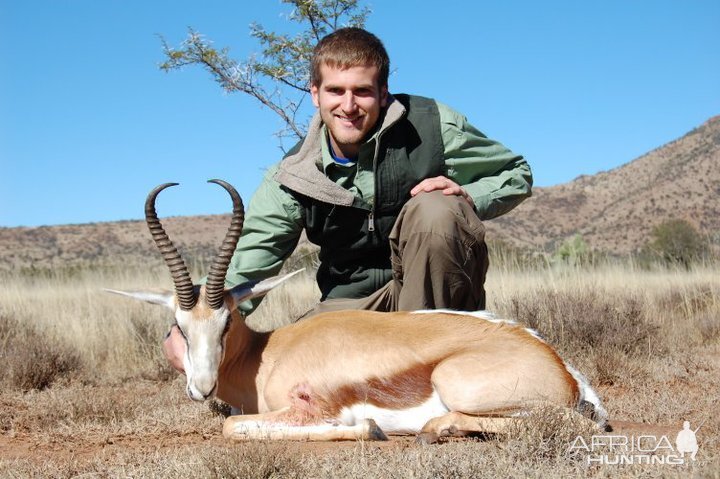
439,260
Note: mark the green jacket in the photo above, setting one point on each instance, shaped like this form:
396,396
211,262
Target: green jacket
353,230
495,178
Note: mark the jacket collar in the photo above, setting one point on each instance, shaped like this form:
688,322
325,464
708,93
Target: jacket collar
303,172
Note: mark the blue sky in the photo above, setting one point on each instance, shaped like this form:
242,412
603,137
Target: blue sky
89,124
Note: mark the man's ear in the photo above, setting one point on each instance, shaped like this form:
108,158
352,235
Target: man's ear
315,93
383,96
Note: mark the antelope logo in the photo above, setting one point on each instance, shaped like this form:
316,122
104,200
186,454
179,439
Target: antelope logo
356,374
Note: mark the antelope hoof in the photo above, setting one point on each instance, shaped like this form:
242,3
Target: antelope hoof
372,432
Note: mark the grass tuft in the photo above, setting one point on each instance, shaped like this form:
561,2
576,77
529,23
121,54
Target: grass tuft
31,360
259,460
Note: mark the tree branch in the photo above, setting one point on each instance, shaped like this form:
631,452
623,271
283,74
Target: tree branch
285,60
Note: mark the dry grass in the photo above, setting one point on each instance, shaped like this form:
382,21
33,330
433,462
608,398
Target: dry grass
87,392
79,330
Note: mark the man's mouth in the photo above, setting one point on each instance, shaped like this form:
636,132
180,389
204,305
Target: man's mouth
350,121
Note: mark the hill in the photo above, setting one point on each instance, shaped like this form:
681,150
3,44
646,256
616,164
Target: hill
111,243
614,211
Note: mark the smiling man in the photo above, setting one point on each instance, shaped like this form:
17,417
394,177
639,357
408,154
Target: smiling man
349,101
393,188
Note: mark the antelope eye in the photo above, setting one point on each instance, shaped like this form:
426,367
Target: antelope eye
181,331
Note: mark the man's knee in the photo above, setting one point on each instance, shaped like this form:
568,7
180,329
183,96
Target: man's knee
434,212
439,256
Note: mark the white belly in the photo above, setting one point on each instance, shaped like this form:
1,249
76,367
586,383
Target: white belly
395,421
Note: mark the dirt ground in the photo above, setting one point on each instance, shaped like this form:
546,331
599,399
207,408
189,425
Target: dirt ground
45,440
41,447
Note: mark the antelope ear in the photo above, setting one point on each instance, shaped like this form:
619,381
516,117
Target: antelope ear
160,297
254,289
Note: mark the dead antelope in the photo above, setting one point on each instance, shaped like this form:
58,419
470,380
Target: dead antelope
356,374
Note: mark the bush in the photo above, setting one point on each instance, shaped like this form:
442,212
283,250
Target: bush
676,242
32,360
574,251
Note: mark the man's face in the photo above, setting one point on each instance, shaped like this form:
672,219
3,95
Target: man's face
350,101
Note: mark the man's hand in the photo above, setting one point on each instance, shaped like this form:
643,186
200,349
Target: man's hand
174,347
448,187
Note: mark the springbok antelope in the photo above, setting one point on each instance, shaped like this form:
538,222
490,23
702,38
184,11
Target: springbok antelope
356,374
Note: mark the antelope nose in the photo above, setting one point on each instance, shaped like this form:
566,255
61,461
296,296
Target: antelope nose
209,395
201,393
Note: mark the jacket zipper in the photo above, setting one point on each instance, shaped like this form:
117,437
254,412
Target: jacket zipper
371,215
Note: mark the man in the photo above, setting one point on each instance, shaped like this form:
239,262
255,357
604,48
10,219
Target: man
392,188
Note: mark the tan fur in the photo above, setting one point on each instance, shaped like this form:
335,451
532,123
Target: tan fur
201,311
318,366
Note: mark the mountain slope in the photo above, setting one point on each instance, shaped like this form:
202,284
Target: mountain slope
616,210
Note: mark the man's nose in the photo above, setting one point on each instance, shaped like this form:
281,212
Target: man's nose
348,103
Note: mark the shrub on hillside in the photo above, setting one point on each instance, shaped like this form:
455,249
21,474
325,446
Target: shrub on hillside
675,242
575,251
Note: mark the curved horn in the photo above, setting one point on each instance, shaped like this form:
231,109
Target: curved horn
184,289
215,285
